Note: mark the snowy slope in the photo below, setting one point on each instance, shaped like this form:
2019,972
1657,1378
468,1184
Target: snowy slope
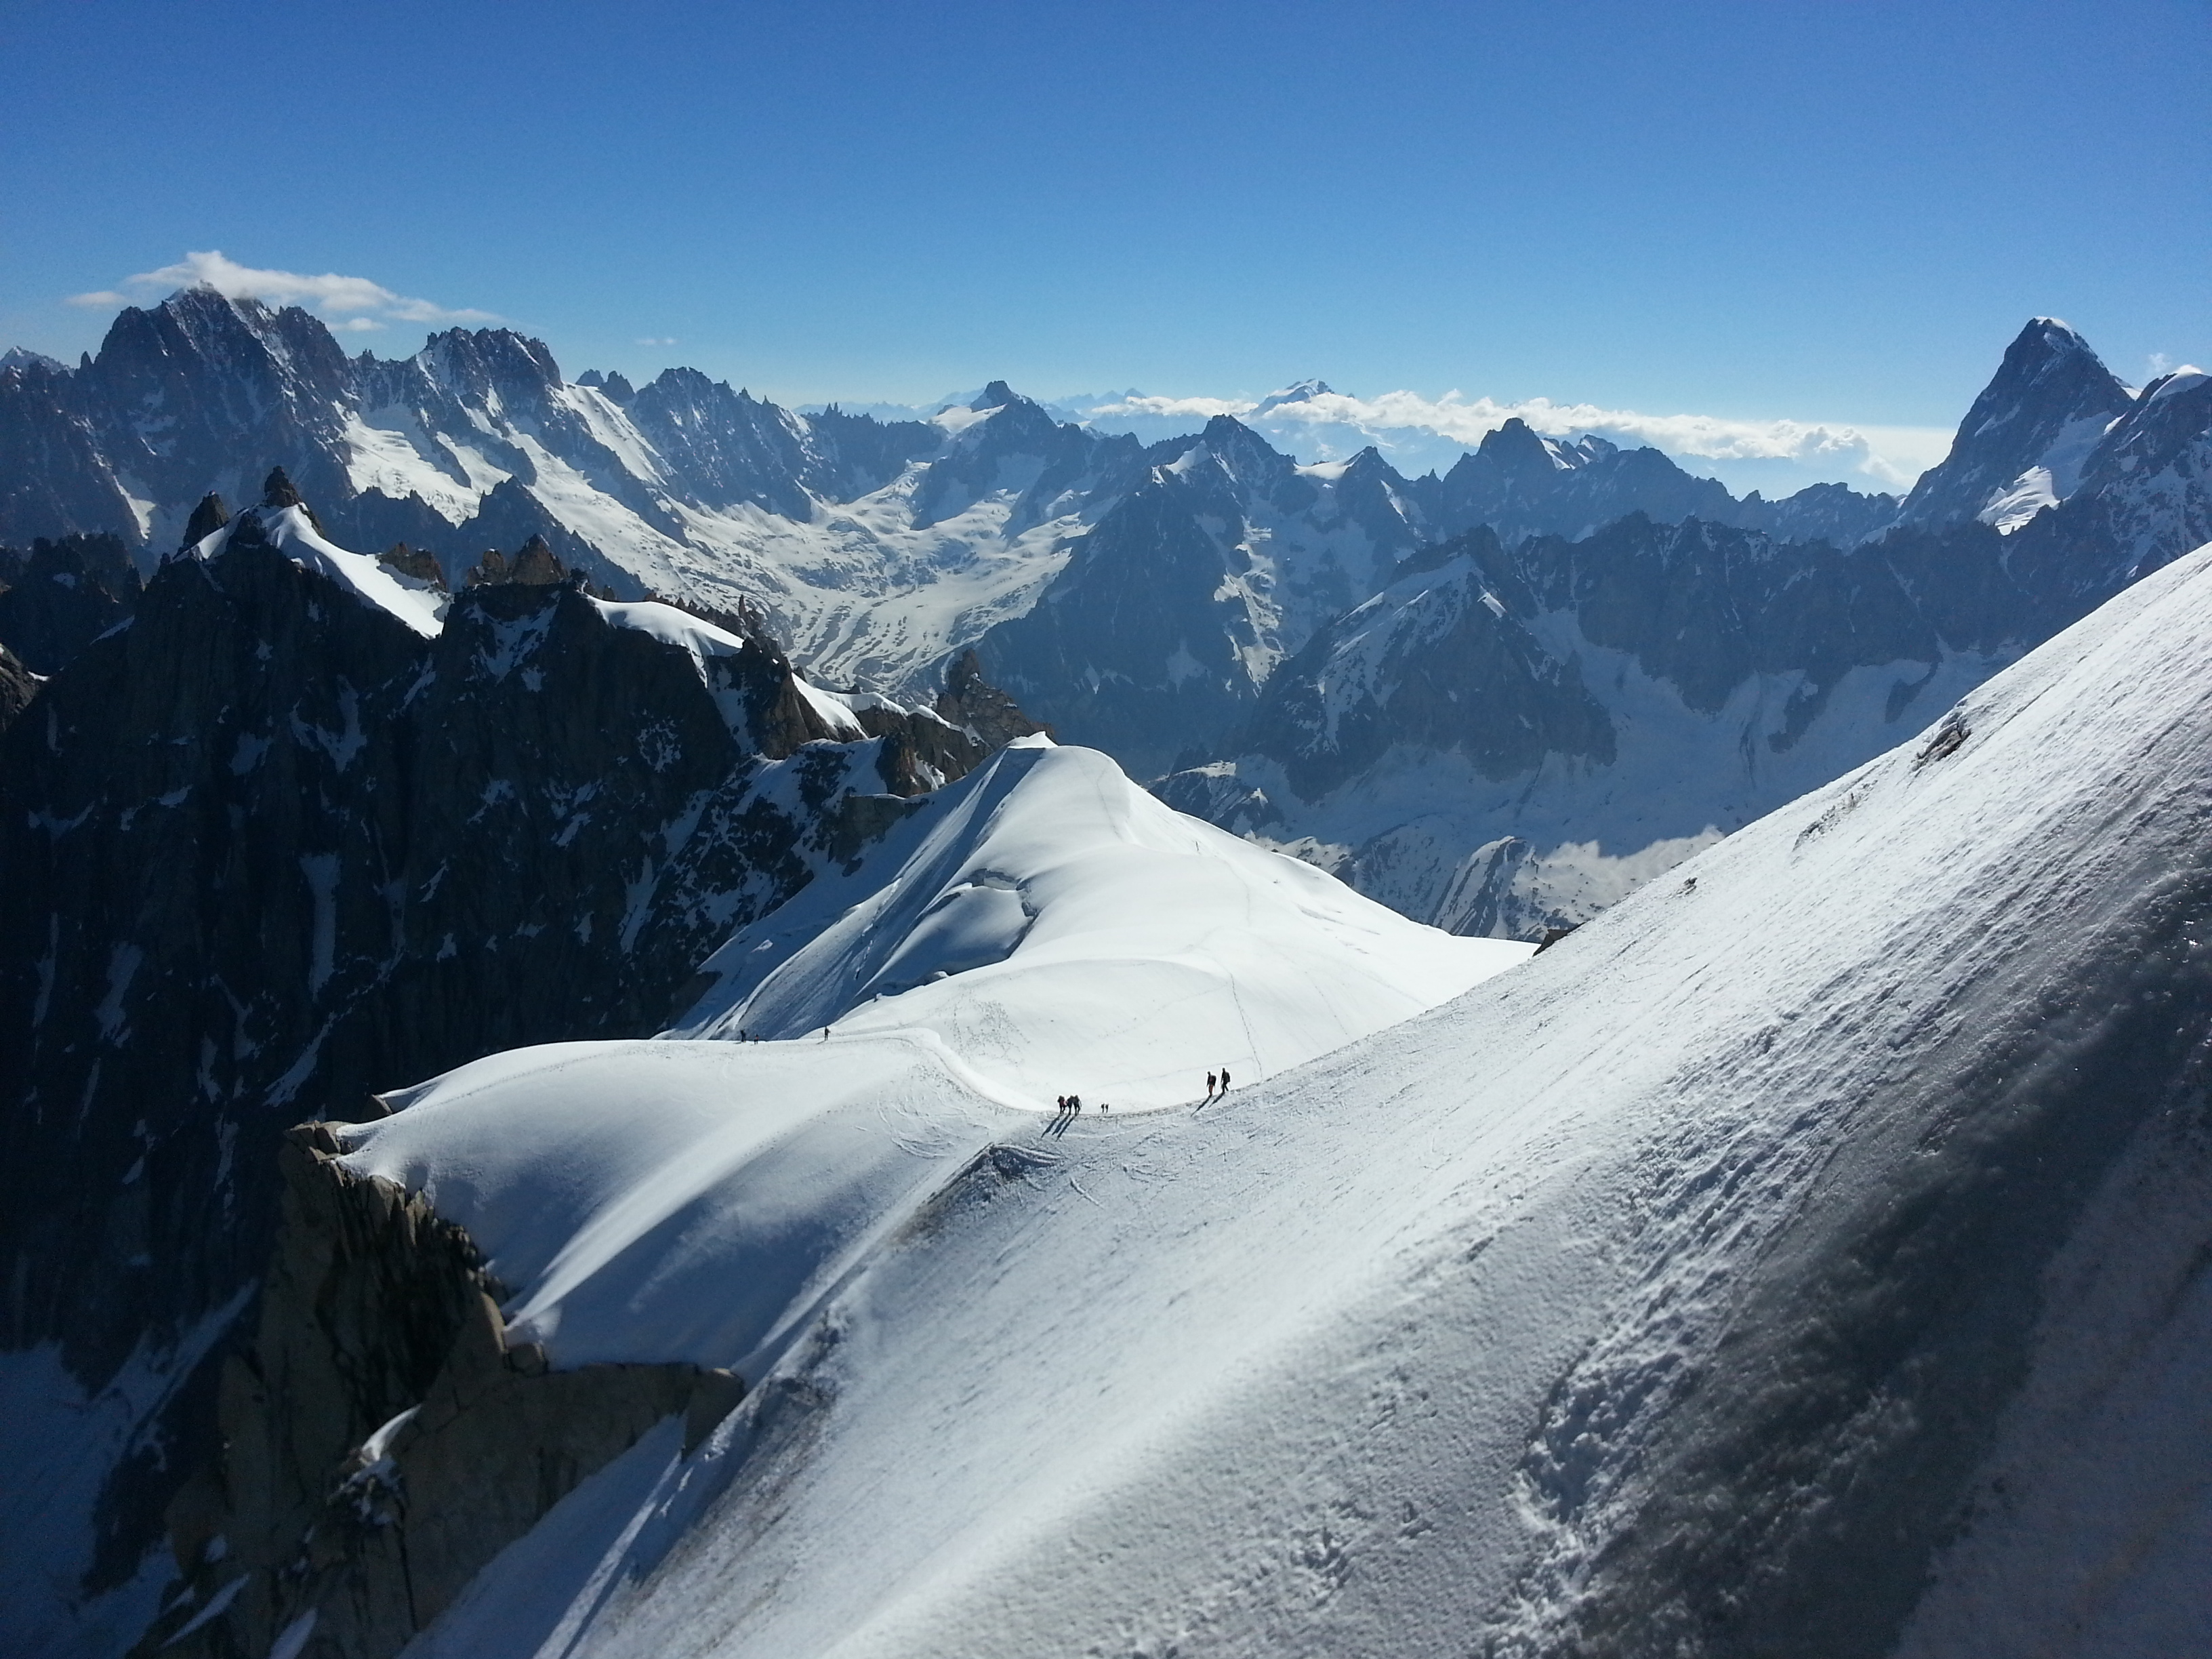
417,604
1816,1227
1043,928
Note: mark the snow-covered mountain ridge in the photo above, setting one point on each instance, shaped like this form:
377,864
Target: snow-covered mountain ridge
877,549
1804,1257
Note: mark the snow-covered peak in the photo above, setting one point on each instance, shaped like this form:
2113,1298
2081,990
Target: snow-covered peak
1301,392
1108,944
1042,929
291,530
23,357
2049,403
2170,385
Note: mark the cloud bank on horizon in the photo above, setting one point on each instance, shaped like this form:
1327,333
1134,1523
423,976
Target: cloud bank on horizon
371,305
1311,420
1325,424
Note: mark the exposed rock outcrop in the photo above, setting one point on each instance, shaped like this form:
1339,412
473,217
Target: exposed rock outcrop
535,566
971,702
381,1438
18,685
413,562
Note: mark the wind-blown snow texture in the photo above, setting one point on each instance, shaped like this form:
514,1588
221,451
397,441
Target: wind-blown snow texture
1803,1257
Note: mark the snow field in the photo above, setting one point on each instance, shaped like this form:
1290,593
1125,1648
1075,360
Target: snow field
1681,1290
1043,927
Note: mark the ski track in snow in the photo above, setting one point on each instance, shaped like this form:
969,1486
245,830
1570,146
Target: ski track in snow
1708,1268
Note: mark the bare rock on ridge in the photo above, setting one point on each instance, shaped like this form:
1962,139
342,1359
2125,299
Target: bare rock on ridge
382,1440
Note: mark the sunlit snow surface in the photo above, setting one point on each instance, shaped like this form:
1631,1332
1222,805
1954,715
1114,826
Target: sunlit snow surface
1805,1257
417,604
1042,928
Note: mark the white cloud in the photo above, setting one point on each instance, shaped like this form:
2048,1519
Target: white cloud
357,326
1329,418
329,292
651,340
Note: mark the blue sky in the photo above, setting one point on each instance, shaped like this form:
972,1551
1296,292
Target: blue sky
1834,212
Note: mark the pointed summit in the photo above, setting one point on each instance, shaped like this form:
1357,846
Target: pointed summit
1516,446
997,395
277,490
2051,400
209,516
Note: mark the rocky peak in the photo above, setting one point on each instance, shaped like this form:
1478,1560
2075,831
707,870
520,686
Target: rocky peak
413,562
997,395
1244,454
2051,400
535,566
18,357
278,492
1517,447
62,595
209,516
471,362
971,702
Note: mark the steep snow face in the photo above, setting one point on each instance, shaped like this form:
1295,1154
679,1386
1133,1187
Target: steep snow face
1761,1270
1042,929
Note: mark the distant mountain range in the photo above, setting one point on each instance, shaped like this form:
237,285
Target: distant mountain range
1270,631
877,548
1520,728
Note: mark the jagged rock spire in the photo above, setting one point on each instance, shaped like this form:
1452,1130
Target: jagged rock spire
209,516
277,490
971,702
535,565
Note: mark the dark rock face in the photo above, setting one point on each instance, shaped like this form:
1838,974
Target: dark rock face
1170,613
268,849
413,564
209,516
62,595
1476,683
2049,384
971,702
18,685
327,1500
535,566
